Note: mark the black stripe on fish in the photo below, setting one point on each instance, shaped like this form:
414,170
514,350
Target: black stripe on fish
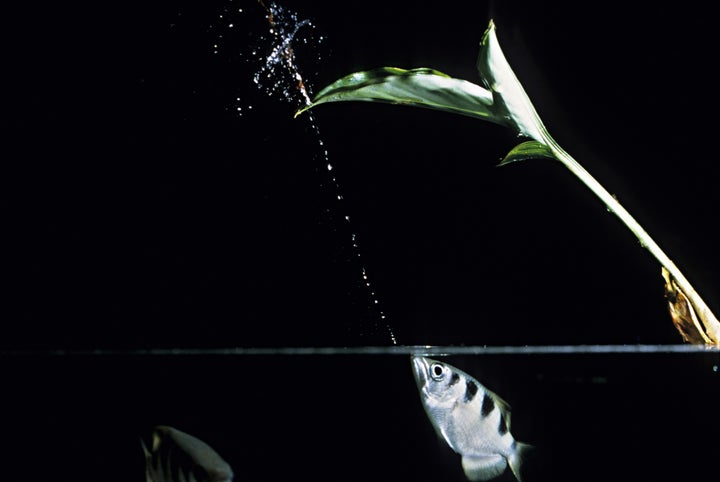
502,427
487,405
454,379
471,389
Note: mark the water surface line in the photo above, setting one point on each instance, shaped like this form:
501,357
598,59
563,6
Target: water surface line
428,350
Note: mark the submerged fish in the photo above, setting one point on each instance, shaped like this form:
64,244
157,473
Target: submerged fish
176,456
474,421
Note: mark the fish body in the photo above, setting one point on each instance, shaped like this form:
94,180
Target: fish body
474,421
175,456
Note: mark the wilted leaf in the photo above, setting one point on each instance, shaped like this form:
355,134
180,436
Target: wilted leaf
416,87
684,317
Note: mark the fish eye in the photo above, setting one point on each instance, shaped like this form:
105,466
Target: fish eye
437,371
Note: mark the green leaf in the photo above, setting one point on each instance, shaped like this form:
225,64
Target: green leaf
508,94
528,150
421,87
502,100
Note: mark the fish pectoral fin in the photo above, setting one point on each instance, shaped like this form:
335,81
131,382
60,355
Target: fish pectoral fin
483,468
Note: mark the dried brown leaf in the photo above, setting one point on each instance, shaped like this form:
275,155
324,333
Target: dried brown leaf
691,327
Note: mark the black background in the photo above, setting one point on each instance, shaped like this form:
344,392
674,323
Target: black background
141,209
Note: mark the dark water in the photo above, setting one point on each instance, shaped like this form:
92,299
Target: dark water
355,415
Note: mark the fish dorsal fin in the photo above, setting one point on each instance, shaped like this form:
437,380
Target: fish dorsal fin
484,468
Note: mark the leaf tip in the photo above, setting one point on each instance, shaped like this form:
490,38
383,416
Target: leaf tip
505,161
490,29
301,111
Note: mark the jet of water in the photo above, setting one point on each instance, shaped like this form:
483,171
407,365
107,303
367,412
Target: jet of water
280,76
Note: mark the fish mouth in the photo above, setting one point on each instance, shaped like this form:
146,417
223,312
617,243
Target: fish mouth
421,366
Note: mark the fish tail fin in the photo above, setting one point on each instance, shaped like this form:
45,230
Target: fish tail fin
518,458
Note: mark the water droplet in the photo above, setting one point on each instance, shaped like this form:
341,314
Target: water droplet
279,76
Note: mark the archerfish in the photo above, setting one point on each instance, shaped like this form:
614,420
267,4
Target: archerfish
175,456
474,421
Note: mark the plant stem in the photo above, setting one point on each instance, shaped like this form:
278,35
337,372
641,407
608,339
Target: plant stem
712,326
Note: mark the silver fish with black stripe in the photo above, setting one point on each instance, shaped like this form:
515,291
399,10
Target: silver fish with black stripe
474,421
175,456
